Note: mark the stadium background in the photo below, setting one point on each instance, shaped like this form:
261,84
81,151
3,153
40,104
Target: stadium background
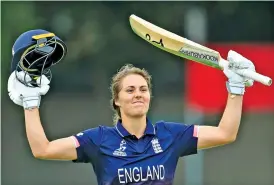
100,41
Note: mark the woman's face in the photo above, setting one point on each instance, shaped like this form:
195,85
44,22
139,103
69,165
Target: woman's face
134,97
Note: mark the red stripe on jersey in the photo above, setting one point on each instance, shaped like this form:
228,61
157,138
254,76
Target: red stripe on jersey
195,131
77,144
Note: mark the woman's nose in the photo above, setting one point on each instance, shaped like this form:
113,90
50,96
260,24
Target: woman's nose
138,93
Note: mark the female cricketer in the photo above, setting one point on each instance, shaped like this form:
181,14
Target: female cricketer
134,150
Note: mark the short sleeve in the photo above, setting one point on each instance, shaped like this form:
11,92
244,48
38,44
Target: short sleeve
88,144
185,137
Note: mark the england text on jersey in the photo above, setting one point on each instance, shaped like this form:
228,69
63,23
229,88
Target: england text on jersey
141,174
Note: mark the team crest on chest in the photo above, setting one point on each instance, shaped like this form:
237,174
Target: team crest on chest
121,151
156,145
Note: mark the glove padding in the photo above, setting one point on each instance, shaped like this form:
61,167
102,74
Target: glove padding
236,83
28,97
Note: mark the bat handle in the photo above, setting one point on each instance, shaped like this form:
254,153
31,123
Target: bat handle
250,74
255,76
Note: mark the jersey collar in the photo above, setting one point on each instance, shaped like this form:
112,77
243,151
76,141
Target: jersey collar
150,130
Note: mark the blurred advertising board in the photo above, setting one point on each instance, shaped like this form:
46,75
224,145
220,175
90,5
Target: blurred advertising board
205,86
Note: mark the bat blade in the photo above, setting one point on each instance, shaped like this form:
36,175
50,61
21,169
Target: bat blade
173,43
185,48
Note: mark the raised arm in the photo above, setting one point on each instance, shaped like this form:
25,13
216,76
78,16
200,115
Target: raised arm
227,130
41,147
29,98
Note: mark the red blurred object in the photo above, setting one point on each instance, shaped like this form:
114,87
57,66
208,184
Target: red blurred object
205,86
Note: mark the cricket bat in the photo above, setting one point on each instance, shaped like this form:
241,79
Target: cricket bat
185,48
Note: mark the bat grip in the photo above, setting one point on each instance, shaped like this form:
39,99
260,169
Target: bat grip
250,74
255,76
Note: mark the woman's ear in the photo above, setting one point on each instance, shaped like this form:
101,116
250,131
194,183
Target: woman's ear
117,103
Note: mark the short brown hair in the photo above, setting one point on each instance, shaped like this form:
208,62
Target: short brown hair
115,86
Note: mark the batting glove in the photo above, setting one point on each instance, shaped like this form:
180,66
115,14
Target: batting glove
28,97
236,83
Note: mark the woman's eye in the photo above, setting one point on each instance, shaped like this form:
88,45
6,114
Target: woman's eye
144,90
129,90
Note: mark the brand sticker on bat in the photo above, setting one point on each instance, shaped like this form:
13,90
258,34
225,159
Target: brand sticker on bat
199,55
160,42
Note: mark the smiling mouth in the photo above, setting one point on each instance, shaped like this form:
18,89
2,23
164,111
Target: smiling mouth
138,102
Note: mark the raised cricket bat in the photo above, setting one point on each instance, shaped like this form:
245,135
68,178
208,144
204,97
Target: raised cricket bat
185,48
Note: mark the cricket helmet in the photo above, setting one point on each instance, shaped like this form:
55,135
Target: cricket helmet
34,52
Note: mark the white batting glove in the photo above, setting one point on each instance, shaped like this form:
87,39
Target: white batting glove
236,83
28,97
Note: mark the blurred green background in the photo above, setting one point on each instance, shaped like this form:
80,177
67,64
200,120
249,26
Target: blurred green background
100,41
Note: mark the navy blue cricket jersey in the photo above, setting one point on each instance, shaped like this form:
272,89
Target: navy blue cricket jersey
120,158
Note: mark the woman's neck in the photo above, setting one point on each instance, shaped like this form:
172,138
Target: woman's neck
135,126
